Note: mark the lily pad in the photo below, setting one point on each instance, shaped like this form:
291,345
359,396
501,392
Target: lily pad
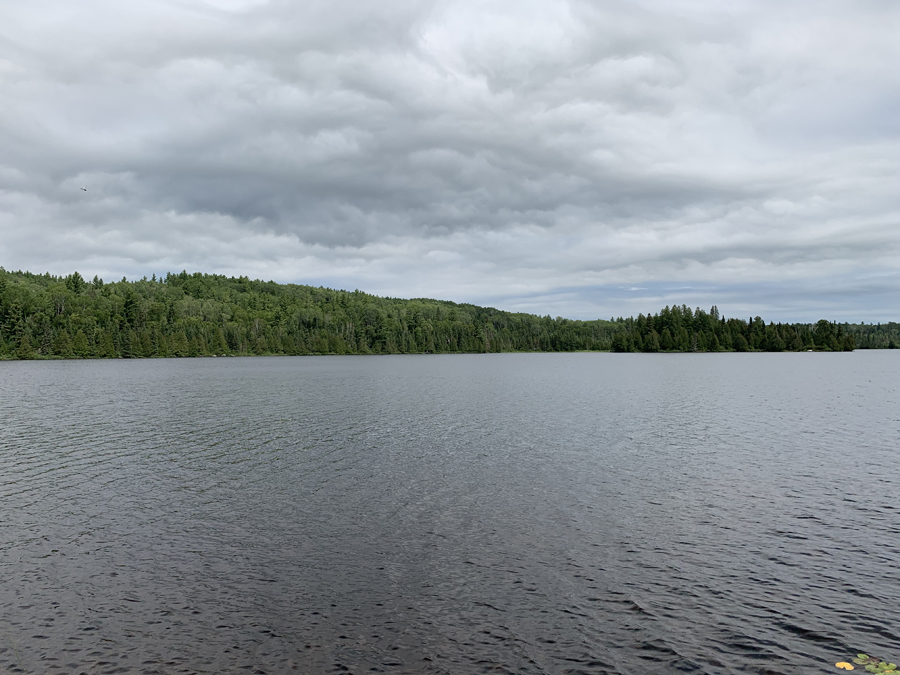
872,664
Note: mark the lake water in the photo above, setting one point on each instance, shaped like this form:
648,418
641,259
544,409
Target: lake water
518,513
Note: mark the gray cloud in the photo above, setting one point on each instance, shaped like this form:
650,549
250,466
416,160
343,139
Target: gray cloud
527,154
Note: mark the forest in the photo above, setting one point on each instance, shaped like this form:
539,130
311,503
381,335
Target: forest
45,316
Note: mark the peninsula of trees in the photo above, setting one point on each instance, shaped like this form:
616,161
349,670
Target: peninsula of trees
44,316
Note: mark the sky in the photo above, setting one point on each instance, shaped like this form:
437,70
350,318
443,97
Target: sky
577,159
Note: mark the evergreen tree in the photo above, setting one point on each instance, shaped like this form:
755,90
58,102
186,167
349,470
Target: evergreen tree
80,345
24,349
75,283
62,345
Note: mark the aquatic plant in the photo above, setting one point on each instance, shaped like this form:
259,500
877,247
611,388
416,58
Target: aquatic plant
872,664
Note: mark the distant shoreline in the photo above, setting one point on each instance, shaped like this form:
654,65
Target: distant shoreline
7,358
201,315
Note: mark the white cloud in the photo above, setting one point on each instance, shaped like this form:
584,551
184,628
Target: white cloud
507,153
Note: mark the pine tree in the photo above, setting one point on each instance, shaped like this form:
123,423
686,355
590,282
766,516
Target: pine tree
62,345
80,344
75,283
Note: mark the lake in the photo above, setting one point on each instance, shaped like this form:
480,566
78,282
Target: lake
505,513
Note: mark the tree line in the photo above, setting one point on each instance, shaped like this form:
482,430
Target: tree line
680,329
45,316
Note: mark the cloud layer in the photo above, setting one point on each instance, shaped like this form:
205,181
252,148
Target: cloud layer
573,158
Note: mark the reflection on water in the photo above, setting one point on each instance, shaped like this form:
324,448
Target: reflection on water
529,513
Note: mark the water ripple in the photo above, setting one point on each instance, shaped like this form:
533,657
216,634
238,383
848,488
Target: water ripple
582,513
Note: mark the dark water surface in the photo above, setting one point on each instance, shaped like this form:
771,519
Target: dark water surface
522,513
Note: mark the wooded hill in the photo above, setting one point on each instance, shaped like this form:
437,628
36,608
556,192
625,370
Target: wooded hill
201,314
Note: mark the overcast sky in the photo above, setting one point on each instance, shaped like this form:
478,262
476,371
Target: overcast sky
583,159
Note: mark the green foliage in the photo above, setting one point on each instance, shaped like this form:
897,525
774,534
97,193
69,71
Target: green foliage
680,329
75,283
875,336
203,314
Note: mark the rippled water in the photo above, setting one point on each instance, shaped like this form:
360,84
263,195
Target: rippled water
527,513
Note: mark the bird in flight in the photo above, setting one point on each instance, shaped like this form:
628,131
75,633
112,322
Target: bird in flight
85,189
